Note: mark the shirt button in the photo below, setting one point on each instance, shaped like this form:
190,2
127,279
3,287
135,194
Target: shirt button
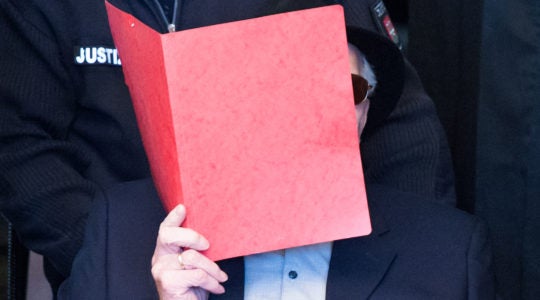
293,274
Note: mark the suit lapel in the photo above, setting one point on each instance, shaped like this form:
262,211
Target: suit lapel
358,265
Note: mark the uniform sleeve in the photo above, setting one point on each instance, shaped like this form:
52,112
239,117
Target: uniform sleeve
480,275
88,279
42,192
115,259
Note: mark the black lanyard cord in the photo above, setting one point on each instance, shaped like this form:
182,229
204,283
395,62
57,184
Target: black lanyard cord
171,26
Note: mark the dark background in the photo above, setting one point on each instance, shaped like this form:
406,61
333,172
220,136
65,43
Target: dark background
3,257
480,63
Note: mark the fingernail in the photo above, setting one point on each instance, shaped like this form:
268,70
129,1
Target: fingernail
221,290
204,243
180,209
223,276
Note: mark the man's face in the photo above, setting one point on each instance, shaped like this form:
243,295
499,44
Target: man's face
356,62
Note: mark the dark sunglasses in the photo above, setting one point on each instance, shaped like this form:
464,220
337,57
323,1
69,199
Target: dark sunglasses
361,88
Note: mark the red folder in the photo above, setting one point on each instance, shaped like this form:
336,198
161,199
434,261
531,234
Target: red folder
251,125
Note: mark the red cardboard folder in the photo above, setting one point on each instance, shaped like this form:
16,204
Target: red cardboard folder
251,125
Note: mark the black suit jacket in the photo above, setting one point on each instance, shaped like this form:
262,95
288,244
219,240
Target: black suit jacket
418,250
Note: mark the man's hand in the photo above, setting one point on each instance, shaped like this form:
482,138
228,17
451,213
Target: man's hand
180,274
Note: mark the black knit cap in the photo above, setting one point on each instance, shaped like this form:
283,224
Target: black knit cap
387,62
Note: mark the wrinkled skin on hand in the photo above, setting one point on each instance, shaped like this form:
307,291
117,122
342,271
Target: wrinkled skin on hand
198,276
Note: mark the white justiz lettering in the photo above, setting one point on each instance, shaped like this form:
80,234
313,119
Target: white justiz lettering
80,59
90,55
97,55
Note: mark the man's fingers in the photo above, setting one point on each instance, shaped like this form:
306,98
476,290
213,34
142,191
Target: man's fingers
175,217
172,237
178,281
194,259
180,273
189,260
175,237
198,277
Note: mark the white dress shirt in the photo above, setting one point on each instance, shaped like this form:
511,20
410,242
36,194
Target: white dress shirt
291,274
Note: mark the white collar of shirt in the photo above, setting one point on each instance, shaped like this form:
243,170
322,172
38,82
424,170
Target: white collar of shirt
291,274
